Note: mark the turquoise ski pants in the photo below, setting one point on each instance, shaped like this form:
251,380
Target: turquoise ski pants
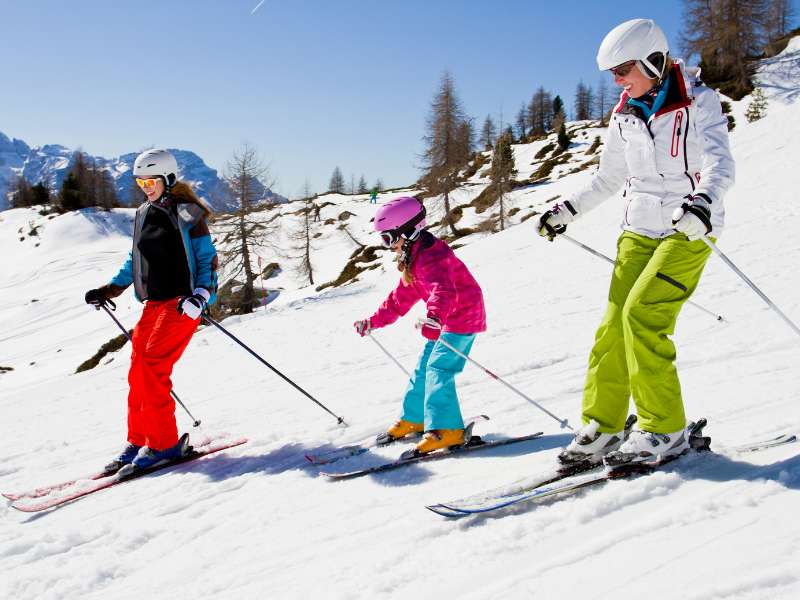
633,354
431,395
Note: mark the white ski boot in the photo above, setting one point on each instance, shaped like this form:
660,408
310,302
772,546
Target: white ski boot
648,447
590,446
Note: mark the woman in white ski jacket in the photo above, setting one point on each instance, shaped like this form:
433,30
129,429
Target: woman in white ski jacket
667,149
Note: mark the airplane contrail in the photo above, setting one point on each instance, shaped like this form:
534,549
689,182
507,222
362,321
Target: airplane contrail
252,12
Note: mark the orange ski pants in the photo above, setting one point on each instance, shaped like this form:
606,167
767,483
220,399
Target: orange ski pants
159,339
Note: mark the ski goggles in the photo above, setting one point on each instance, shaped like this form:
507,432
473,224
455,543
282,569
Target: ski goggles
389,238
150,182
623,69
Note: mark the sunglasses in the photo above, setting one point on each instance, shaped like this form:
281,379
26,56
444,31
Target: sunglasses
147,183
623,69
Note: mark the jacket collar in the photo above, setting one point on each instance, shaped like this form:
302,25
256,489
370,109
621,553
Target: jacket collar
674,98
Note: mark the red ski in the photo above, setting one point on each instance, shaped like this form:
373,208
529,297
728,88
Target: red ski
48,497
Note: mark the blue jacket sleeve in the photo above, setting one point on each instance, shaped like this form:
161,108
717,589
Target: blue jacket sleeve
204,253
125,275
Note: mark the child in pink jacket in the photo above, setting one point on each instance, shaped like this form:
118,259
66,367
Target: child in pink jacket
455,312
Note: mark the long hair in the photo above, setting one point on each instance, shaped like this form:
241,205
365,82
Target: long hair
404,262
182,193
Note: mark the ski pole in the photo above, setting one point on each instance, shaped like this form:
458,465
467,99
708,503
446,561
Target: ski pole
752,285
387,353
196,422
563,422
339,419
607,259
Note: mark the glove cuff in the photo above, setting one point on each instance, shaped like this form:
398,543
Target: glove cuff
203,293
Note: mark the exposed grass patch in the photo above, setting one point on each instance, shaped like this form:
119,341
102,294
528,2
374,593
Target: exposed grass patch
455,214
352,269
484,200
595,145
112,345
479,161
543,151
587,164
547,166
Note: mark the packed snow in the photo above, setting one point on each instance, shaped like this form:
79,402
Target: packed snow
259,522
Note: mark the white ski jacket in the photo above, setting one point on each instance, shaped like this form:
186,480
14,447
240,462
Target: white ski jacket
682,150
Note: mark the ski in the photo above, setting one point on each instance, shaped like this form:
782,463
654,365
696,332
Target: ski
89,486
475,443
527,484
563,486
763,445
49,489
375,441
549,484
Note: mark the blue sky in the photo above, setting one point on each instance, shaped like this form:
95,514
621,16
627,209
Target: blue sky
311,84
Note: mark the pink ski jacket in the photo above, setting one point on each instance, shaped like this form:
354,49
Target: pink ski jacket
449,290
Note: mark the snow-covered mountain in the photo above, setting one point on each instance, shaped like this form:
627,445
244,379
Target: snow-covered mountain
51,163
258,522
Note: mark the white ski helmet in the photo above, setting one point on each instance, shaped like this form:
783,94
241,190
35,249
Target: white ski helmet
638,39
152,163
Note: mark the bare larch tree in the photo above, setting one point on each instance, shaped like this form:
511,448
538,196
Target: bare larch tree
448,147
246,231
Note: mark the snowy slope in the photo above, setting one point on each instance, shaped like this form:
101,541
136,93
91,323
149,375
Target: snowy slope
258,523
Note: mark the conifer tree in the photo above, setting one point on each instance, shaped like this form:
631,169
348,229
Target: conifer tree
757,109
502,171
246,231
563,137
488,133
447,145
21,193
725,34
583,102
40,194
336,184
602,102
302,236
522,123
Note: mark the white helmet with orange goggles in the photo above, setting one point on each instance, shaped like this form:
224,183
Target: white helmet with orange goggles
156,163
638,40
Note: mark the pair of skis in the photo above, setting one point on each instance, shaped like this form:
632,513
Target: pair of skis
472,443
46,497
564,482
376,441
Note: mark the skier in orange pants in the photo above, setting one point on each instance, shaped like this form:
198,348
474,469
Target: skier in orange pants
172,267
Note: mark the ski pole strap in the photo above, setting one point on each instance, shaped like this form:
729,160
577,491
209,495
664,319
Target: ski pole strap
563,422
752,285
339,419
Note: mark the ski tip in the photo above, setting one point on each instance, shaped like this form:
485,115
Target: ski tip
444,511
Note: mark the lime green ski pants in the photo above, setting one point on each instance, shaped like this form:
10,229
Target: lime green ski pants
633,353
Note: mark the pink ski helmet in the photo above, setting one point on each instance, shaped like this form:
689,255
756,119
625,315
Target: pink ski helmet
403,216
